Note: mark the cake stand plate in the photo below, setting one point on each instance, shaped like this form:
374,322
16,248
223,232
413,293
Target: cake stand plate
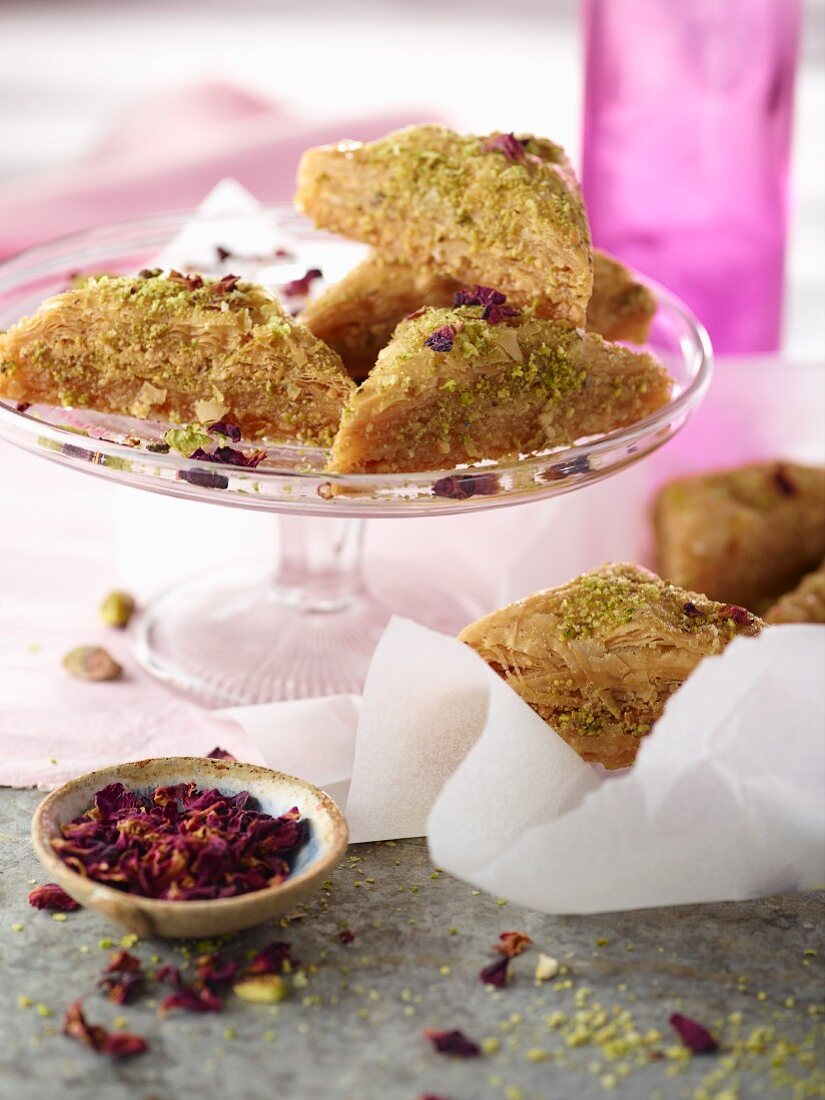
308,624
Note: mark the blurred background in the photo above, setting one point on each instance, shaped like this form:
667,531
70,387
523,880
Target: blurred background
139,89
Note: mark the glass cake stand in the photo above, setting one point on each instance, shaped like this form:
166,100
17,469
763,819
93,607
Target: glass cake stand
306,625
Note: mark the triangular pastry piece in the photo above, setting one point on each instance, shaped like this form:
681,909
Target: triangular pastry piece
599,657
357,315
178,348
500,209
484,381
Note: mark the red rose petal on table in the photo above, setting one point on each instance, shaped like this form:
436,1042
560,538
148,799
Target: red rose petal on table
496,973
513,943
275,958
694,1035
452,1042
123,978
52,896
117,1044
346,936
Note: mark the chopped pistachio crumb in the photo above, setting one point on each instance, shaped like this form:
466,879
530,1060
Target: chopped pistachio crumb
43,1010
17,927
490,1044
59,916
105,944
24,1001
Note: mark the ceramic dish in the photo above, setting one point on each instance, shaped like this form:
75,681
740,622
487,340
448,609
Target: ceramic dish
274,792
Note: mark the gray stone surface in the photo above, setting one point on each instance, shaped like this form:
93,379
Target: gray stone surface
354,1031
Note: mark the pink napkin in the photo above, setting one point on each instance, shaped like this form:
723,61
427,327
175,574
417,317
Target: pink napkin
167,152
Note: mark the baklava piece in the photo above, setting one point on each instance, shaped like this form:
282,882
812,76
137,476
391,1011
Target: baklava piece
805,604
483,380
621,308
179,348
358,315
500,209
599,657
745,536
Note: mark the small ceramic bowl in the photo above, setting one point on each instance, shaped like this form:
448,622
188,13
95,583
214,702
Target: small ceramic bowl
275,794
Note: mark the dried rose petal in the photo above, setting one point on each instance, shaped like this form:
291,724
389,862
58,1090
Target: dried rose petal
507,144
222,253
52,896
117,1044
346,936
494,310
513,943
460,488
691,610
299,288
221,754
220,427
150,273
496,973
191,282
213,970
740,615
229,456
452,1042
122,1044
159,448
204,479
275,958
123,978
178,843
442,339
695,1037
226,285
192,998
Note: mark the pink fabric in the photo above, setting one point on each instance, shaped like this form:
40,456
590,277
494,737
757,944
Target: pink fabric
166,154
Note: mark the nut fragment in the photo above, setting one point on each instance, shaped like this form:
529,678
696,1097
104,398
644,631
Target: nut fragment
117,609
546,968
91,662
262,989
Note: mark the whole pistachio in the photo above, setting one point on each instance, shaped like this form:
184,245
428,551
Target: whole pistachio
117,609
91,662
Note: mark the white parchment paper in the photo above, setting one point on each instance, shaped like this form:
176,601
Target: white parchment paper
726,799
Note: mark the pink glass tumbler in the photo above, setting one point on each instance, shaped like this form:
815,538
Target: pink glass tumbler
687,124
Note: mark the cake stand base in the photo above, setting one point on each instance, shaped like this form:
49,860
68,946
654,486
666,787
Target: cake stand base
240,638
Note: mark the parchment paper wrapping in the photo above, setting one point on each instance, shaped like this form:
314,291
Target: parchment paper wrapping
726,800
